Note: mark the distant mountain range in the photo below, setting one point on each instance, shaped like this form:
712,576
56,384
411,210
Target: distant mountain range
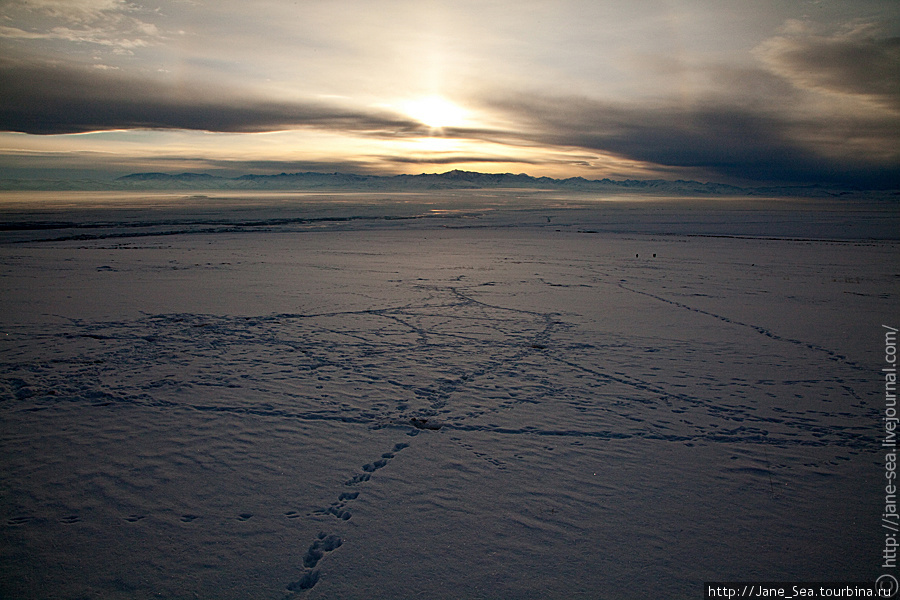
451,180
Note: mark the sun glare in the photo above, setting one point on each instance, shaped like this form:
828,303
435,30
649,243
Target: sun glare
435,112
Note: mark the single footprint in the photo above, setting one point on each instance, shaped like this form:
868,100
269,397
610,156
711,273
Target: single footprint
423,423
309,579
70,519
134,518
325,543
361,477
339,512
244,516
189,518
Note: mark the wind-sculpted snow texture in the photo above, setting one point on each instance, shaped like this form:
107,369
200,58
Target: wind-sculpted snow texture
513,404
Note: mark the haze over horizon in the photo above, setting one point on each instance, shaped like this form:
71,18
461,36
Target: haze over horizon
769,93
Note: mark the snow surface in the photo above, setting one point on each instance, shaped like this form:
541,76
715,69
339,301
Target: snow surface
454,395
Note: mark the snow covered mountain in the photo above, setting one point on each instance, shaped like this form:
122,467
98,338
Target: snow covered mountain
450,180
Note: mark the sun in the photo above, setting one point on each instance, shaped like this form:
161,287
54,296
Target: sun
435,112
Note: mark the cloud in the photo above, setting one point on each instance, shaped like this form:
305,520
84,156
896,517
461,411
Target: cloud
110,23
108,164
72,10
242,167
86,35
819,107
735,136
723,138
853,62
457,159
41,99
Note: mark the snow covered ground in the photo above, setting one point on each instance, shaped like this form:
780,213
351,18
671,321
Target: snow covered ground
455,395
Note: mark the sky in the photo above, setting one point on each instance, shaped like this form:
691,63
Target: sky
763,92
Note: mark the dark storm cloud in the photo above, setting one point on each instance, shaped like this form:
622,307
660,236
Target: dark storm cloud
46,164
822,109
48,100
854,62
724,139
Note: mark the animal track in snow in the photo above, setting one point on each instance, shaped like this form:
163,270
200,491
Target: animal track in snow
338,508
495,462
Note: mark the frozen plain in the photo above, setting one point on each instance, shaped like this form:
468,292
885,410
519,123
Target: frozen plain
450,395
